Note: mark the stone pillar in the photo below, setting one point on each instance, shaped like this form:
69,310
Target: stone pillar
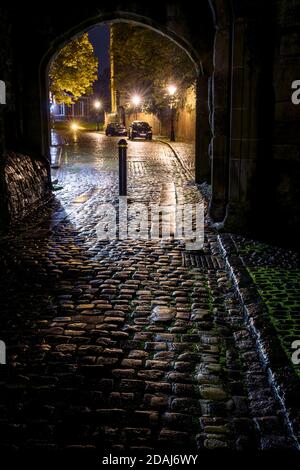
220,122
244,141
203,131
35,112
286,135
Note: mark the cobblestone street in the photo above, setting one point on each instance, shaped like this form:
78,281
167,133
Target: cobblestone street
126,344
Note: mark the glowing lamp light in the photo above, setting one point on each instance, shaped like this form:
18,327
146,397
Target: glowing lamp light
172,90
136,100
97,104
74,126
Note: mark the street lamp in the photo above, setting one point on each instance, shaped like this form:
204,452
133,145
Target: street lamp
136,101
171,91
97,106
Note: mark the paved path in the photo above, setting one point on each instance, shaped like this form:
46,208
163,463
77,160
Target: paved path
125,344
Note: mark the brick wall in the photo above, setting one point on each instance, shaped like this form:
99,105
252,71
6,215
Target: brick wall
150,118
186,119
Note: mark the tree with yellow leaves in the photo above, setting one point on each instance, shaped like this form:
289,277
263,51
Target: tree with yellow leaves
73,71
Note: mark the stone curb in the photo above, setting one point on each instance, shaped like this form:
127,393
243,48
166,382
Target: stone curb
281,374
187,171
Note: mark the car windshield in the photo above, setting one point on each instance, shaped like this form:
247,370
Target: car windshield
141,125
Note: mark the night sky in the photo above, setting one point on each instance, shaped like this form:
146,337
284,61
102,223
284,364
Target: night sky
99,37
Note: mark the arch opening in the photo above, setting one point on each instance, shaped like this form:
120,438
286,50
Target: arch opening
187,117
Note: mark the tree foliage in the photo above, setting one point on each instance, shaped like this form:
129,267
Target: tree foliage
146,62
73,71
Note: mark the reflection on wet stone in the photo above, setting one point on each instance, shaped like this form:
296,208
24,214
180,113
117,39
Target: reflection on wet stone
119,337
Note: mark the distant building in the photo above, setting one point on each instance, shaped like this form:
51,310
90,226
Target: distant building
81,110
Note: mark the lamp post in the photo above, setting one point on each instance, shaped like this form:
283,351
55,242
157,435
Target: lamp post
171,91
136,101
97,106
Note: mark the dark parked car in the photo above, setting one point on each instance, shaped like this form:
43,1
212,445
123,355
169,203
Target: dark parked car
140,129
114,128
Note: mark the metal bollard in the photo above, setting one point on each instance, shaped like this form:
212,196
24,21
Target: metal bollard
122,144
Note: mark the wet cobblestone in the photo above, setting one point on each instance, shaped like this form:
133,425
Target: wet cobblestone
118,344
276,273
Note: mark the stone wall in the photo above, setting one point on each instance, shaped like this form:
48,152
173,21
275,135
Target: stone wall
23,179
152,119
26,181
286,136
186,118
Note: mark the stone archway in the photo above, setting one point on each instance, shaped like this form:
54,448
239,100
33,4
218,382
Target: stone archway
205,47
243,92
